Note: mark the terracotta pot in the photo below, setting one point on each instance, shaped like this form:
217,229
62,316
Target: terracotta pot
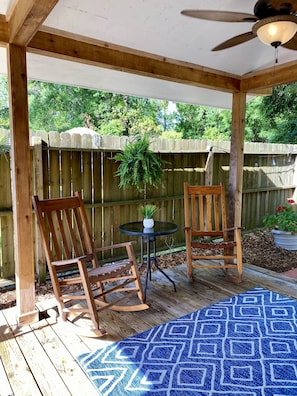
284,239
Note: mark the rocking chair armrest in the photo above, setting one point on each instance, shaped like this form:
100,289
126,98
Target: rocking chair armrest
116,246
72,261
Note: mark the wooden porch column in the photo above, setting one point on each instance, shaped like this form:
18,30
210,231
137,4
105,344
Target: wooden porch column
21,181
236,159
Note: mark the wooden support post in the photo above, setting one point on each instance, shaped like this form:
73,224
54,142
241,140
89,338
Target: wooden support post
21,182
236,159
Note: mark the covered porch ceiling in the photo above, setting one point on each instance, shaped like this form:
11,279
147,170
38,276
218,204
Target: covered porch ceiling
145,48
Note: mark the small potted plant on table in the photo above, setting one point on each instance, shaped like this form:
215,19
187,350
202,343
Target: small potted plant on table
148,212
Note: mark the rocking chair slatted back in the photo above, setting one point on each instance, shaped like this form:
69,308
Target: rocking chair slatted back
205,216
65,229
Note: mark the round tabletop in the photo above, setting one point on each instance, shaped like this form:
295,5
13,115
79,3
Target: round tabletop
160,228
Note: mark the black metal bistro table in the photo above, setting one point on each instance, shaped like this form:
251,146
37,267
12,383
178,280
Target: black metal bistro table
148,237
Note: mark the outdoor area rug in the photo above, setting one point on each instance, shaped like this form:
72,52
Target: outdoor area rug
242,346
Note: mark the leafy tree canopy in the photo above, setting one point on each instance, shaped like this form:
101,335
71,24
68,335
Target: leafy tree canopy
58,108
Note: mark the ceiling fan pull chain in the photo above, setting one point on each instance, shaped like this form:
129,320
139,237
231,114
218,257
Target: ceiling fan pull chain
276,54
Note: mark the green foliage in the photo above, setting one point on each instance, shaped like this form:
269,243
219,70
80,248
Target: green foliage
147,126
171,135
59,107
202,122
255,125
271,119
148,211
113,127
139,166
274,117
285,218
4,103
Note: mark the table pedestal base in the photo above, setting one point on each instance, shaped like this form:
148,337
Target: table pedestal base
151,256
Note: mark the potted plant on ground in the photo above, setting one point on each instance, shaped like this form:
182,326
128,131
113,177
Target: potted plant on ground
148,212
283,225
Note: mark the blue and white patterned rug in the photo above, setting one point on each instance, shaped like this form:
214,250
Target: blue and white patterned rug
243,346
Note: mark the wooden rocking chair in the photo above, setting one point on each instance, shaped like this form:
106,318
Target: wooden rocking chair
68,247
206,228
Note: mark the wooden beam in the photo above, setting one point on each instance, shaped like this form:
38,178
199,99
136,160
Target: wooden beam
25,17
261,92
52,43
21,182
4,36
271,77
236,160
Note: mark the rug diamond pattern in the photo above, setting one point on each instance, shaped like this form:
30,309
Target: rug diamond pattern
243,346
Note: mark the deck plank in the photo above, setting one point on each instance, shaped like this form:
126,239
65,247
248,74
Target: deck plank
17,370
63,360
41,359
5,385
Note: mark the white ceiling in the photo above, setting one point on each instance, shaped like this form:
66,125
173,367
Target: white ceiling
156,27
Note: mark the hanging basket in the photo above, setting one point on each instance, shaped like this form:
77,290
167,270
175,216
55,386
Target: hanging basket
285,240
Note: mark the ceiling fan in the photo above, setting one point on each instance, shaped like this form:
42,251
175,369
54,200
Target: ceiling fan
275,23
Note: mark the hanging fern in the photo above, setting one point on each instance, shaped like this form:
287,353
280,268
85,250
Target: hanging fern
139,166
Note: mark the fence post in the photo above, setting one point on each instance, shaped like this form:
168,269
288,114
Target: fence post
295,181
209,167
37,182
7,264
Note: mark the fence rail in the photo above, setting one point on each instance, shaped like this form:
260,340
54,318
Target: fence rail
60,167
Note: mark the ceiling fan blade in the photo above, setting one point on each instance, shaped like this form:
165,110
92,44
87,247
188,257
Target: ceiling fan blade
292,44
236,40
223,16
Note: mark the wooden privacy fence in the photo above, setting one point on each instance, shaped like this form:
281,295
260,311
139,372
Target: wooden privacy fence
60,167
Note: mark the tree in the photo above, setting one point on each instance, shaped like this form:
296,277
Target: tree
59,107
202,122
255,125
273,119
279,112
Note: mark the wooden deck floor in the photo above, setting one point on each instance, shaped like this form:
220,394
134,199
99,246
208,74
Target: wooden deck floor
41,359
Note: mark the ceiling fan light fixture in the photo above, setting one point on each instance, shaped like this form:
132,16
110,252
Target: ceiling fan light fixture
276,30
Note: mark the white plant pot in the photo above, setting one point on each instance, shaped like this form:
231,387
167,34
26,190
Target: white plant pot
148,223
285,240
